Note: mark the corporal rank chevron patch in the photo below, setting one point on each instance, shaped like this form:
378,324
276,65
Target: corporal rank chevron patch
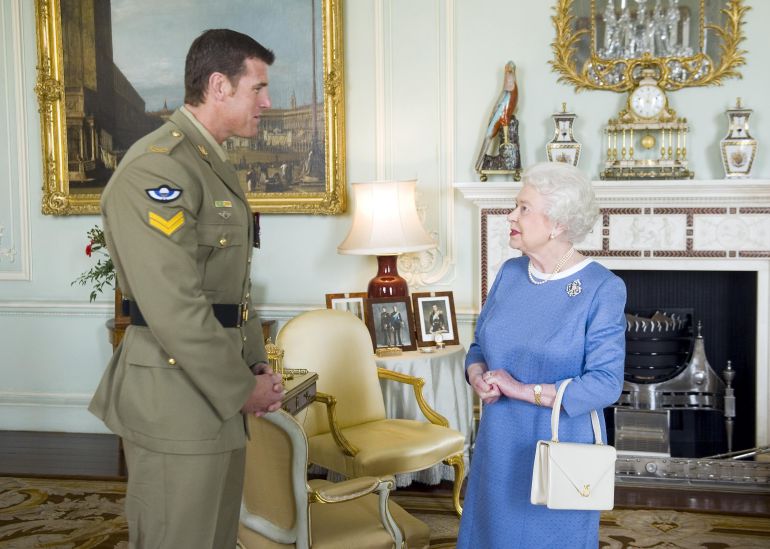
166,226
164,193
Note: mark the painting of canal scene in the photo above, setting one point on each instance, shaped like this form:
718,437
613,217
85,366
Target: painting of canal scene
122,66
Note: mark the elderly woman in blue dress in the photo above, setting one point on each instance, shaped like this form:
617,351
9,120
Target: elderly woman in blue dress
552,314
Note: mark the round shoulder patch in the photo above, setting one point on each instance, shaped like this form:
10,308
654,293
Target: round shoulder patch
164,193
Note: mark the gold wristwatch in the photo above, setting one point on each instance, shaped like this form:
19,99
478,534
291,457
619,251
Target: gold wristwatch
538,390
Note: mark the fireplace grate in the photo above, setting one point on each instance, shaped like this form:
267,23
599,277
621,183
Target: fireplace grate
658,345
691,385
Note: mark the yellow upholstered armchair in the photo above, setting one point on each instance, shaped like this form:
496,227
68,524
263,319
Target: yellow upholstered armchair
280,509
347,428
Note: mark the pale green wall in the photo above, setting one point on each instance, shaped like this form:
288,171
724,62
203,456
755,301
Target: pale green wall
420,81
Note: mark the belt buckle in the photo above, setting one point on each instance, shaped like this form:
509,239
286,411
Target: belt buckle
243,313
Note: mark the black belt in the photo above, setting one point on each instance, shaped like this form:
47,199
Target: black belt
229,315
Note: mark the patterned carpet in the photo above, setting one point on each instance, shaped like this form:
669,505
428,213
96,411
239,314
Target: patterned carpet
85,514
55,513
619,529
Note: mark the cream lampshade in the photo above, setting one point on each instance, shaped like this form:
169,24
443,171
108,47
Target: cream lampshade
385,224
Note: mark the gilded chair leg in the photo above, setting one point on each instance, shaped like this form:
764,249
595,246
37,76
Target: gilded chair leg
458,464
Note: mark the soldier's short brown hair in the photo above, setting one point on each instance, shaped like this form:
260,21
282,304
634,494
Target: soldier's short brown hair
219,50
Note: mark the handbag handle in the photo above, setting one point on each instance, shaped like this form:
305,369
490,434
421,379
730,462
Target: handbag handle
557,410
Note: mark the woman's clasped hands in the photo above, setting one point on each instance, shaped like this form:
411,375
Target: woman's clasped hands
491,384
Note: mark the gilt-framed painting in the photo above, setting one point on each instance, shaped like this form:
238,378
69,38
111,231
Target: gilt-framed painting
111,71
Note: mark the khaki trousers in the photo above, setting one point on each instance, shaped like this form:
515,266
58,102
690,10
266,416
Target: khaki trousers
176,501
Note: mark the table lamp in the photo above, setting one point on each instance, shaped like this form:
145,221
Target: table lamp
385,224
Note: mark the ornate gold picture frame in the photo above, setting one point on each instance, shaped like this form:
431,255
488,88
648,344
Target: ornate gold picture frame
78,154
714,30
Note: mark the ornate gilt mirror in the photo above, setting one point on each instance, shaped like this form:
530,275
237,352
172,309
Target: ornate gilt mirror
605,44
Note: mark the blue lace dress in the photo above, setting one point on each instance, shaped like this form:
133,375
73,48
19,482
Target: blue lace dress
541,334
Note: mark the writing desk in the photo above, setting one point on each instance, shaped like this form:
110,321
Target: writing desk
445,390
300,392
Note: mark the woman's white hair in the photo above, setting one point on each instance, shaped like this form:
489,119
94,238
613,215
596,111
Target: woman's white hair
570,200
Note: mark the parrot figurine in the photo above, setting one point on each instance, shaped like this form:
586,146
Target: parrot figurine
499,151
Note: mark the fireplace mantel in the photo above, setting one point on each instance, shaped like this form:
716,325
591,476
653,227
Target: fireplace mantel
669,192
704,225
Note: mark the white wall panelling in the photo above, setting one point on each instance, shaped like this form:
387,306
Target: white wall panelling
78,349
414,123
420,78
14,161
51,363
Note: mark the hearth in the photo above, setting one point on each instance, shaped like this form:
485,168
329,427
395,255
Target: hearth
667,378
712,229
713,310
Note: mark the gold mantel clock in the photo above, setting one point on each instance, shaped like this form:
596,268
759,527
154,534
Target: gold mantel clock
647,140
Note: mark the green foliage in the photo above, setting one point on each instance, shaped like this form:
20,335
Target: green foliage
103,273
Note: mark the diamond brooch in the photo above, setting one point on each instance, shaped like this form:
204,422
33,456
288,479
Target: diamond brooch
574,288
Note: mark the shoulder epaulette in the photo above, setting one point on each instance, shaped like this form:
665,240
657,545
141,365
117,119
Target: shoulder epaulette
166,142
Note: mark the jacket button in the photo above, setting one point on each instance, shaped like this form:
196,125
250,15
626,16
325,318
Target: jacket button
222,241
172,361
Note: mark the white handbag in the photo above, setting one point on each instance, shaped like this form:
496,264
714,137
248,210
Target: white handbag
571,475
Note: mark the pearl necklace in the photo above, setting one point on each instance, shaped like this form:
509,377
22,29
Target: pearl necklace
566,257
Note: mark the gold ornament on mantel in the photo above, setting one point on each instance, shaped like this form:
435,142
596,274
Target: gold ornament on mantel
661,135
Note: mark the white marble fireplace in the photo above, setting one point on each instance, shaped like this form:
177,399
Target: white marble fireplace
687,225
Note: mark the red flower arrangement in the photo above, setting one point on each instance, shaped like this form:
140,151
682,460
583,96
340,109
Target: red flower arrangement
103,273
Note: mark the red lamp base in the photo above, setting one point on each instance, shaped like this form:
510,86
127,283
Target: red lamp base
388,283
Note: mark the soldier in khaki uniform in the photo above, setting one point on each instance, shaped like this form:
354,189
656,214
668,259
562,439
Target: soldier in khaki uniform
178,228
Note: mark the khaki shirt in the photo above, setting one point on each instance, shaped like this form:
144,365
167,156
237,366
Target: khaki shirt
179,230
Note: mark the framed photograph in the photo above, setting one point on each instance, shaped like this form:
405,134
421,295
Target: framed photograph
390,322
435,314
352,303
111,71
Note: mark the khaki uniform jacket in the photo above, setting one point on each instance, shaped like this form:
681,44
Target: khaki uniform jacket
178,384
